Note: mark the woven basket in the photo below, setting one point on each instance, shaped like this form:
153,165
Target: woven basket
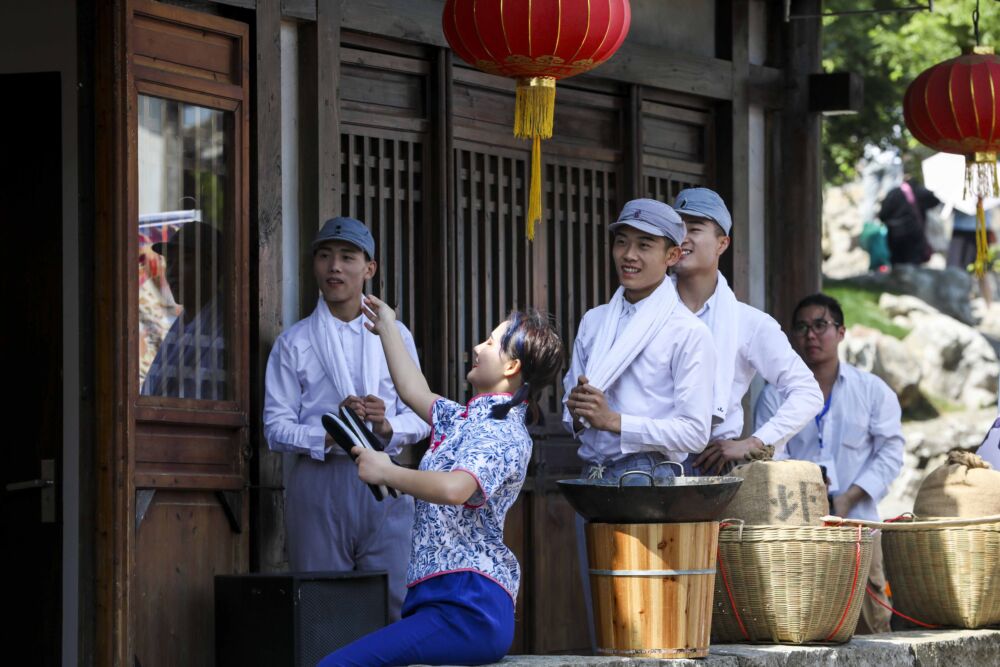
790,584
945,572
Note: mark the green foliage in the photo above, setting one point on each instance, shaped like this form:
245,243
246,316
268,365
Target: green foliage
889,51
861,307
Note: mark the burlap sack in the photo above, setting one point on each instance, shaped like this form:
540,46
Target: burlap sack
779,492
966,486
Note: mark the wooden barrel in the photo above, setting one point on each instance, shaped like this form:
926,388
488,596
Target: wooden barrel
652,586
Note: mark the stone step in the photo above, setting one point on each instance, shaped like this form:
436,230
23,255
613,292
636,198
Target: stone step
923,648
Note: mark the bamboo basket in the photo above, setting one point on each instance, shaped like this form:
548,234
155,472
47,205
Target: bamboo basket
652,587
943,572
790,584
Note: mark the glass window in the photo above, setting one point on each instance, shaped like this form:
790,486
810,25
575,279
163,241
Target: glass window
184,214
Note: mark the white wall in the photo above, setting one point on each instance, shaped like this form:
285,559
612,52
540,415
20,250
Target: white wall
40,36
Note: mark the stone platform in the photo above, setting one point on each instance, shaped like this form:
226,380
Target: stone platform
922,648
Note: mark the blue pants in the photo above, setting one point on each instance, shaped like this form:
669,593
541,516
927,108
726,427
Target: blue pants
452,619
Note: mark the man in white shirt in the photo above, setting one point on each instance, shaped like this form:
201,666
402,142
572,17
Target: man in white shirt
856,437
326,360
639,386
747,341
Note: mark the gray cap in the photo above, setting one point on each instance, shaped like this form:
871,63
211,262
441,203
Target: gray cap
349,230
653,217
704,203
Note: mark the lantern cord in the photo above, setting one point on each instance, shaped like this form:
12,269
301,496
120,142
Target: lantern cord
534,111
975,22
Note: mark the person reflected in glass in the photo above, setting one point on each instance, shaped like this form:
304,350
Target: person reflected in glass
190,362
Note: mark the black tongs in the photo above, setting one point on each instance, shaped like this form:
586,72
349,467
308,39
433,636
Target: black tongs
348,431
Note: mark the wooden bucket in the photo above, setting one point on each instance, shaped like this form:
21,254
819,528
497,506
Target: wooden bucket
652,586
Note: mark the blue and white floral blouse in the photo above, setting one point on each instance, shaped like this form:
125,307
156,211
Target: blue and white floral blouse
469,538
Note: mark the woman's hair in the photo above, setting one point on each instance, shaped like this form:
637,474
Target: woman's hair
531,339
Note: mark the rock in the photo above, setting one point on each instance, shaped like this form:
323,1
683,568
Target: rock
957,362
989,323
904,305
842,226
886,357
945,290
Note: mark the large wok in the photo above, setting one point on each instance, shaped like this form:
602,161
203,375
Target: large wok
671,500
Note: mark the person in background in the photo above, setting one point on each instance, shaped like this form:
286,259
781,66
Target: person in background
904,212
747,341
857,437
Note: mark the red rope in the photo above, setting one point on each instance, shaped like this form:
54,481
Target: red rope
857,570
898,613
729,592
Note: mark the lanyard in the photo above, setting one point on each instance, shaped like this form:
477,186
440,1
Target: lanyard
818,418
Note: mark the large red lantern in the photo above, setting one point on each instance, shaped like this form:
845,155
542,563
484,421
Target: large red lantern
954,107
535,42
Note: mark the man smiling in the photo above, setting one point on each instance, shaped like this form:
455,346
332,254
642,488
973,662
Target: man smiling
324,361
747,341
639,385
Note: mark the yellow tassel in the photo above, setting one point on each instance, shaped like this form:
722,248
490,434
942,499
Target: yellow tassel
535,107
982,241
534,111
535,192
981,181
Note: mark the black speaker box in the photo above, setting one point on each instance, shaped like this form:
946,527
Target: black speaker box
295,619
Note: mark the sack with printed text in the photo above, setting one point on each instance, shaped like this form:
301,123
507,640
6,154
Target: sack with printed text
779,492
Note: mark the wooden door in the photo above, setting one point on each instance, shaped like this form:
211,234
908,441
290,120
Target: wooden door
31,500
185,357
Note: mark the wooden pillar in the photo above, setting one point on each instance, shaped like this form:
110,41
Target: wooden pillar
794,250
319,132
267,503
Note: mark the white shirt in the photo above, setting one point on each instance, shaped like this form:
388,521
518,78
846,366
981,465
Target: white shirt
862,438
664,397
764,349
297,393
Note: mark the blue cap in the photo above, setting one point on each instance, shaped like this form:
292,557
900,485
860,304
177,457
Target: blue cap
653,217
704,203
349,230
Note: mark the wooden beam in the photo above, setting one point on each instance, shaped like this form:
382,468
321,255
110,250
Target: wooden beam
634,63
795,234
319,132
267,503
739,203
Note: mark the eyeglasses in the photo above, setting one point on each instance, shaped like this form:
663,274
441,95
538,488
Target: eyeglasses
818,327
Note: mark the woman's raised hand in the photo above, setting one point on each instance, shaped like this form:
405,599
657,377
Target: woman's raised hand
380,315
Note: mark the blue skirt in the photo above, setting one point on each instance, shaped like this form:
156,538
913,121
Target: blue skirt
462,618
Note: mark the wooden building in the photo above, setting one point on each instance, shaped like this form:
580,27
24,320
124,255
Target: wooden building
260,119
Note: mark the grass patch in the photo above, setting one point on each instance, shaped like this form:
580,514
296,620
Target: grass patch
861,307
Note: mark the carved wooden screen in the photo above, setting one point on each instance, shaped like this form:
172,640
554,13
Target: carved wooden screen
676,148
567,270
385,176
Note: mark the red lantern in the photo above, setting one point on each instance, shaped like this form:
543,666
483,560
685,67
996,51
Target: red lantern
535,42
954,107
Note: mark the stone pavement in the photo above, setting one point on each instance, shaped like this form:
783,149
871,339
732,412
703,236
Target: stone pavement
922,648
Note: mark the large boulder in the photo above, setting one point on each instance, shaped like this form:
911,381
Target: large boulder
842,224
886,357
957,362
946,290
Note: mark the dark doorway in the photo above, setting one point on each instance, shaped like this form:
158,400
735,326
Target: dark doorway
31,274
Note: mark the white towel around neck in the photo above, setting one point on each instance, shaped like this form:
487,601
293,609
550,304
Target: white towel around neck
330,351
723,321
611,355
